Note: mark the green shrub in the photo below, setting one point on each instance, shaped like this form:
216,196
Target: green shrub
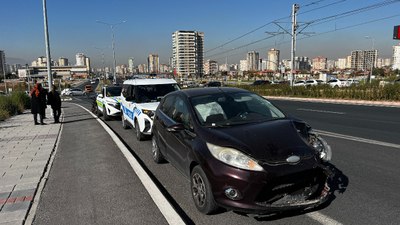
22,101
13,104
374,92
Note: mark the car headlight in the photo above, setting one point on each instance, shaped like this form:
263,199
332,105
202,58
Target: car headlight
234,158
148,112
112,103
321,146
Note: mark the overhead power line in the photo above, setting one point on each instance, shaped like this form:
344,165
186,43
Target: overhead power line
315,22
269,23
323,33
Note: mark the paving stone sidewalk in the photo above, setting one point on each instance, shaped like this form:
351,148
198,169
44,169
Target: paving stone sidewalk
25,151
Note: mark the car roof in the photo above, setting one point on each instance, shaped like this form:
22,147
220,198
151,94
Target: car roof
150,81
193,92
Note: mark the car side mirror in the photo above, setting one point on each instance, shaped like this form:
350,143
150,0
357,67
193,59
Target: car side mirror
176,127
101,96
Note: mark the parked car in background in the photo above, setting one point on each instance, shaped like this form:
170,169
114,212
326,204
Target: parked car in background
214,84
261,82
139,100
229,142
299,83
72,92
351,82
336,83
65,91
313,82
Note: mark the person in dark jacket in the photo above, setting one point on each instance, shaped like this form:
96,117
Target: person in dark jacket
38,103
53,99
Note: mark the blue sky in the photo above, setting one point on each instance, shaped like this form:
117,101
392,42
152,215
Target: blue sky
149,25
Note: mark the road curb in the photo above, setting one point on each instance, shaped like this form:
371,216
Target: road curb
42,183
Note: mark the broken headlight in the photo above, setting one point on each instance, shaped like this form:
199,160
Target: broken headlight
321,146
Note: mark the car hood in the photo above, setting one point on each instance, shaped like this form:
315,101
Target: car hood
272,142
149,106
116,98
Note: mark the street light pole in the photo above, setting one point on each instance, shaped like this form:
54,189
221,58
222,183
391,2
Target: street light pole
113,45
46,33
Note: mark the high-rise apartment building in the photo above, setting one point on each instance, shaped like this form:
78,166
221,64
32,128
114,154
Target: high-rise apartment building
319,63
63,61
363,59
341,63
253,59
396,57
131,66
273,59
243,66
210,67
80,59
153,62
187,53
2,63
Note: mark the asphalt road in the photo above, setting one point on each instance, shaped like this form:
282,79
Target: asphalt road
367,180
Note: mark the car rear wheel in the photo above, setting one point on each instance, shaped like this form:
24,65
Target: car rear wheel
124,124
155,150
201,191
105,116
139,135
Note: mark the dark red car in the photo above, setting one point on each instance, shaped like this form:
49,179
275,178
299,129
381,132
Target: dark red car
240,151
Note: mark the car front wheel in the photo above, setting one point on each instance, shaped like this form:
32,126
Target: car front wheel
201,191
155,150
139,135
105,116
124,124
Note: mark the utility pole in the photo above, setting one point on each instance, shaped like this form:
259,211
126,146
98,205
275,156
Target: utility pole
295,8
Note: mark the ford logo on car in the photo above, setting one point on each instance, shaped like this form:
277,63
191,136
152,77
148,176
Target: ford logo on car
293,159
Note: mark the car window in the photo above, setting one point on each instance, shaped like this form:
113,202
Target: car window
180,112
233,108
113,91
166,105
153,93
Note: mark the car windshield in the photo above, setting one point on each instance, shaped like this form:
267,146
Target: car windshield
114,91
227,109
153,93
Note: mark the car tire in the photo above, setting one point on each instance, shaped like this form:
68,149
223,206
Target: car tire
201,191
155,151
105,116
139,135
124,123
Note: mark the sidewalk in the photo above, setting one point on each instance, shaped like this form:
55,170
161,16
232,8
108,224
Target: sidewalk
25,151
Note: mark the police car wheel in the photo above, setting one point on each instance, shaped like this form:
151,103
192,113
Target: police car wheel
139,135
124,123
105,116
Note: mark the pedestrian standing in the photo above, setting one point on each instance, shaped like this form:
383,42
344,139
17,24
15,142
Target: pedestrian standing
38,103
54,100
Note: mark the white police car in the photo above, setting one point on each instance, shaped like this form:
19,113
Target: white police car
139,100
108,102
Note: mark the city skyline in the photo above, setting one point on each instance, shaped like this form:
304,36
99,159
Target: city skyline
148,28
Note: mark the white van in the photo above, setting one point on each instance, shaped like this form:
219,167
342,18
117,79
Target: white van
139,100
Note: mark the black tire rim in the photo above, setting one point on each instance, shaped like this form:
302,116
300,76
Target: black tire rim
198,190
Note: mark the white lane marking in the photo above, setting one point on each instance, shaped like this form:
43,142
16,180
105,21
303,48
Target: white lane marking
162,203
352,138
321,111
322,218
